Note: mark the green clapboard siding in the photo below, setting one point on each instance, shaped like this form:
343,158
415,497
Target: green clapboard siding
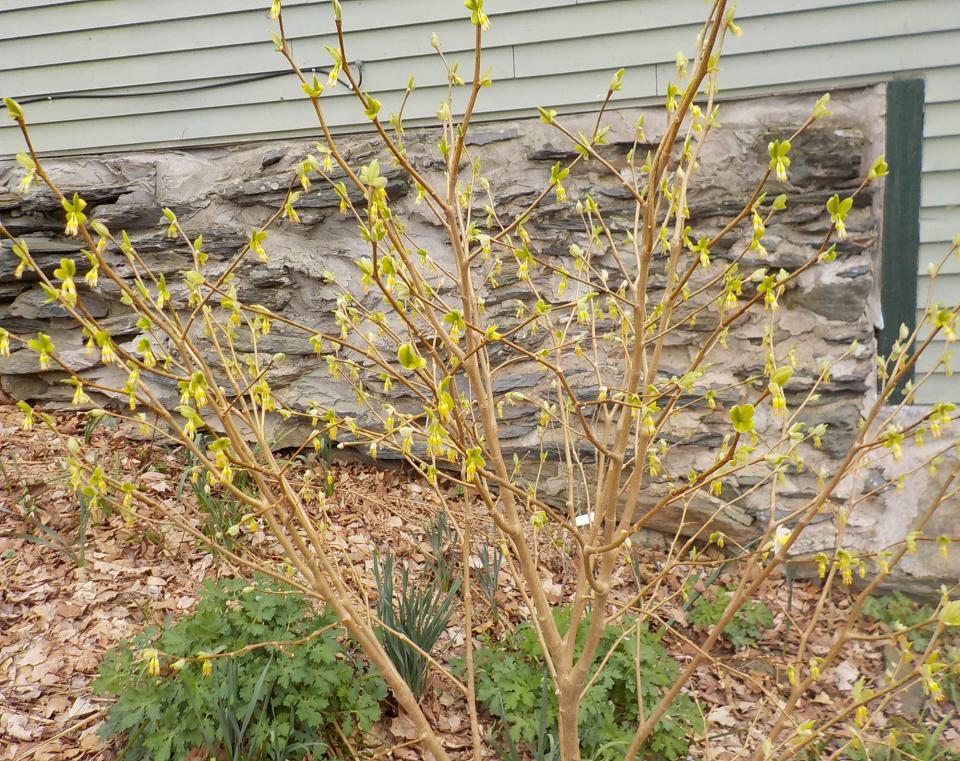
174,72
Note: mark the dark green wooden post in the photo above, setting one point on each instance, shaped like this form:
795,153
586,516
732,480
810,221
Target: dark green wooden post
901,209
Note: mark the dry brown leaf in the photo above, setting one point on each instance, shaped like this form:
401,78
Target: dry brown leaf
90,741
553,591
723,717
16,726
450,722
402,727
447,699
846,676
36,655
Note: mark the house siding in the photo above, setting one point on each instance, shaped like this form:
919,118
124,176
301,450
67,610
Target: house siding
140,59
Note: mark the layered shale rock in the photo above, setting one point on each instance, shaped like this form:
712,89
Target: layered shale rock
223,192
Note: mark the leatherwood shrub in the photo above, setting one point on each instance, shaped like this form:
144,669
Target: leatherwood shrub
457,292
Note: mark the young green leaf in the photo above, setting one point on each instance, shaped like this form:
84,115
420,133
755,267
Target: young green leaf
820,109
742,418
14,110
409,358
547,115
782,375
950,613
879,168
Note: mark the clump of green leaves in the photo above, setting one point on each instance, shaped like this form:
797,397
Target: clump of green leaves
442,535
225,518
510,685
547,747
896,612
420,611
747,626
488,575
267,704
38,532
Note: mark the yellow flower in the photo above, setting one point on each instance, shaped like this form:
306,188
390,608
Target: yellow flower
75,216
27,414
861,716
153,660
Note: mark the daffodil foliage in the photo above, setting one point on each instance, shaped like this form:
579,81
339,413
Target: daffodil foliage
417,343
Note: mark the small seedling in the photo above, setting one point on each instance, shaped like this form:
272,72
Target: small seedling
488,575
442,535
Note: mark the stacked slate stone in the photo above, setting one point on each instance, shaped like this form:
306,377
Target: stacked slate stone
223,192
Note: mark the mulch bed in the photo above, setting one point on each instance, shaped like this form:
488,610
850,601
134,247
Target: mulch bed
59,617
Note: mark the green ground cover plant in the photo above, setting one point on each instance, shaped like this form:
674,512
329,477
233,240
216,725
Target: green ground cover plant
253,672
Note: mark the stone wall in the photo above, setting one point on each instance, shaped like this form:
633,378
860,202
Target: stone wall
223,192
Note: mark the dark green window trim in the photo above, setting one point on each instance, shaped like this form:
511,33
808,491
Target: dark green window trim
901,209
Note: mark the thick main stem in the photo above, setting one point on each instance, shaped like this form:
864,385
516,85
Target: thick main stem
569,721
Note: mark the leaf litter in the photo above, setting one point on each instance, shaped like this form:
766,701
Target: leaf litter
58,617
